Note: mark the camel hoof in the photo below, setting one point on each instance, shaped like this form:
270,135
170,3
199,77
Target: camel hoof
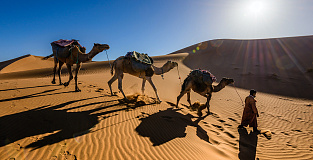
65,84
199,114
158,101
53,82
77,90
61,84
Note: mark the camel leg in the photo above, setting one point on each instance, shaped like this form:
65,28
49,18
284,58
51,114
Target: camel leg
182,93
120,87
154,88
59,71
54,70
188,97
207,104
69,69
76,73
143,86
185,89
114,78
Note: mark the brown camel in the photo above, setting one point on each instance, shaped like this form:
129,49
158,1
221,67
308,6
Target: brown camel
72,55
204,88
123,65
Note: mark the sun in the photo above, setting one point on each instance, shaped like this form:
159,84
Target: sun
255,8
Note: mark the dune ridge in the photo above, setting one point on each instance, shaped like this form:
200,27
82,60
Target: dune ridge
282,64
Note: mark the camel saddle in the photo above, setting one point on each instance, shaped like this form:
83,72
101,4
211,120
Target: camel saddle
203,75
65,43
140,62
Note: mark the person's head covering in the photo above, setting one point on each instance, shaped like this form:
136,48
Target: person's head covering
252,91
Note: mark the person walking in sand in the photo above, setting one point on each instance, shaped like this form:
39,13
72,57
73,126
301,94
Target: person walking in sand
250,112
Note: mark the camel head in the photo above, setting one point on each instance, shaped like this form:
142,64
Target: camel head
227,81
171,64
100,47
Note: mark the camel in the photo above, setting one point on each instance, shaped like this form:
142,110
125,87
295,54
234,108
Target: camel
76,56
123,65
205,89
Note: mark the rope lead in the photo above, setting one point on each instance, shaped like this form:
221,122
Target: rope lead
179,76
106,52
238,94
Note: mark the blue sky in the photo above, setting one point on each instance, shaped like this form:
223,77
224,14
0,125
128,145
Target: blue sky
156,27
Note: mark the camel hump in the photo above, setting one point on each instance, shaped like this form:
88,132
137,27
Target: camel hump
140,62
65,43
203,75
140,57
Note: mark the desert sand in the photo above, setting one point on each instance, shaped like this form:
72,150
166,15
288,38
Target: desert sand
40,120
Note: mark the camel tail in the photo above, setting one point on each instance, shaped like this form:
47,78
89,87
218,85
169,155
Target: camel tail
112,68
45,58
183,87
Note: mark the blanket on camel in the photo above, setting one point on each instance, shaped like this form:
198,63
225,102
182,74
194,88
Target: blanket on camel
140,61
65,42
203,75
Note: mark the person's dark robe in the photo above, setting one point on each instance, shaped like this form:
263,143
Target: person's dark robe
250,113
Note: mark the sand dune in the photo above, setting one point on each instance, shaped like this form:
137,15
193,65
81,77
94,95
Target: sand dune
278,66
43,121
25,63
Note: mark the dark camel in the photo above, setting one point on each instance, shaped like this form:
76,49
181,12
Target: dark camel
205,89
75,57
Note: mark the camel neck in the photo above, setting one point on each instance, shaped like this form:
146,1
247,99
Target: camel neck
160,71
219,87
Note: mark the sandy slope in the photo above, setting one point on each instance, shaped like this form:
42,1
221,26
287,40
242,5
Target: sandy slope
281,66
43,121
25,63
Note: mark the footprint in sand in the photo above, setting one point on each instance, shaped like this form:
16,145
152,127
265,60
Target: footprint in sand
99,90
217,133
91,86
296,130
218,126
230,135
237,114
226,124
53,158
285,133
232,119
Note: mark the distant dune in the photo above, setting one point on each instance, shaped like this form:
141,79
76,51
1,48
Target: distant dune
40,120
281,66
25,63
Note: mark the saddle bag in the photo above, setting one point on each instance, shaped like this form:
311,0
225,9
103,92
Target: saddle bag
140,62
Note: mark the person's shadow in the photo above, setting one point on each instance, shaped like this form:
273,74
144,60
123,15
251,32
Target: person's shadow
247,144
163,126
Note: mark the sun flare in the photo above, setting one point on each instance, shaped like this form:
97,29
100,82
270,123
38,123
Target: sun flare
256,7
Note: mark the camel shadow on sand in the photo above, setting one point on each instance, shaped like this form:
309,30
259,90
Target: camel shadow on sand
166,125
57,123
247,144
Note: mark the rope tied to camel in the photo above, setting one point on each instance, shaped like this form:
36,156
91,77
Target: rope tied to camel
106,52
179,75
238,95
